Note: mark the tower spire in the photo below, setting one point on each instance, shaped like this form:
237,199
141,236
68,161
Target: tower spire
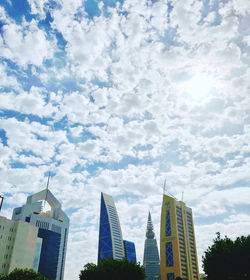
150,229
164,187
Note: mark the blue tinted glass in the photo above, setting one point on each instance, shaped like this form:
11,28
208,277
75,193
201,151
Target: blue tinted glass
130,253
105,241
63,254
49,252
170,276
151,259
169,254
168,225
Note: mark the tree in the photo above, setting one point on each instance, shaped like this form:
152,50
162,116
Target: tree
23,274
227,259
203,276
113,270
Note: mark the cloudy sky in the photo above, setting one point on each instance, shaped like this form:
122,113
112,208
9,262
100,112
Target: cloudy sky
117,96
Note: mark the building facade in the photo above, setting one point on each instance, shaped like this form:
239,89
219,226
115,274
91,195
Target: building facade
110,234
52,228
20,245
129,249
151,261
177,241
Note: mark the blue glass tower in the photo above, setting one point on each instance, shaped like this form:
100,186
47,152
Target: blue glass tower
129,248
110,234
151,260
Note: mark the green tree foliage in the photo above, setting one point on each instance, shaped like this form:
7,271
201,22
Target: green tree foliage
203,276
23,274
227,259
113,270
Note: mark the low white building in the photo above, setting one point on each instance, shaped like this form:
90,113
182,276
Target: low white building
20,245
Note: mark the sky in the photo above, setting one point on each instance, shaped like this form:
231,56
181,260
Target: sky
119,96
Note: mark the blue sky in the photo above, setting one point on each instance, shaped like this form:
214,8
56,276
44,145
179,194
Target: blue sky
117,96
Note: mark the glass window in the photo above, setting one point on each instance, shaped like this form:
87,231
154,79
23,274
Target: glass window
105,241
168,225
49,256
169,254
170,276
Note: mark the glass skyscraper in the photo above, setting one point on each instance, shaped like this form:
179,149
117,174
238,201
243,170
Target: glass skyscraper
129,248
151,261
53,226
177,247
110,234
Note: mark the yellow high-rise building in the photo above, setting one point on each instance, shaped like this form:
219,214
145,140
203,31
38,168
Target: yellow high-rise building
177,241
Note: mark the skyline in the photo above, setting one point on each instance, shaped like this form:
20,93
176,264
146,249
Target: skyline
119,96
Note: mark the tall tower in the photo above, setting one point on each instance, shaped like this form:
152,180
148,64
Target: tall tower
151,260
177,241
53,226
110,234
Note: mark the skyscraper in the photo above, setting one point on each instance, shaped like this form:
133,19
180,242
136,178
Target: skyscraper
129,248
177,244
52,227
110,234
151,260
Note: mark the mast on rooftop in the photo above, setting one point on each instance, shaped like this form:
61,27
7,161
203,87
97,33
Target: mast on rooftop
164,187
1,203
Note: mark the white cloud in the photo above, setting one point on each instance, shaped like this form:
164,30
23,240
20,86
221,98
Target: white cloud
27,103
26,45
37,7
7,80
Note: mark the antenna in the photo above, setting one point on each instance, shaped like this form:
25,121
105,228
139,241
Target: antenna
1,203
173,196
182,196
164,187
47,188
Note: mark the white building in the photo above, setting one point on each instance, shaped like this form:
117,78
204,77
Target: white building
20,245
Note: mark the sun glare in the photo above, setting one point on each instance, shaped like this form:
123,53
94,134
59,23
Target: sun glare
200,86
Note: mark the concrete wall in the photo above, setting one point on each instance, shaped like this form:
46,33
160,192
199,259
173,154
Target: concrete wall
19,245
7,239
25,246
